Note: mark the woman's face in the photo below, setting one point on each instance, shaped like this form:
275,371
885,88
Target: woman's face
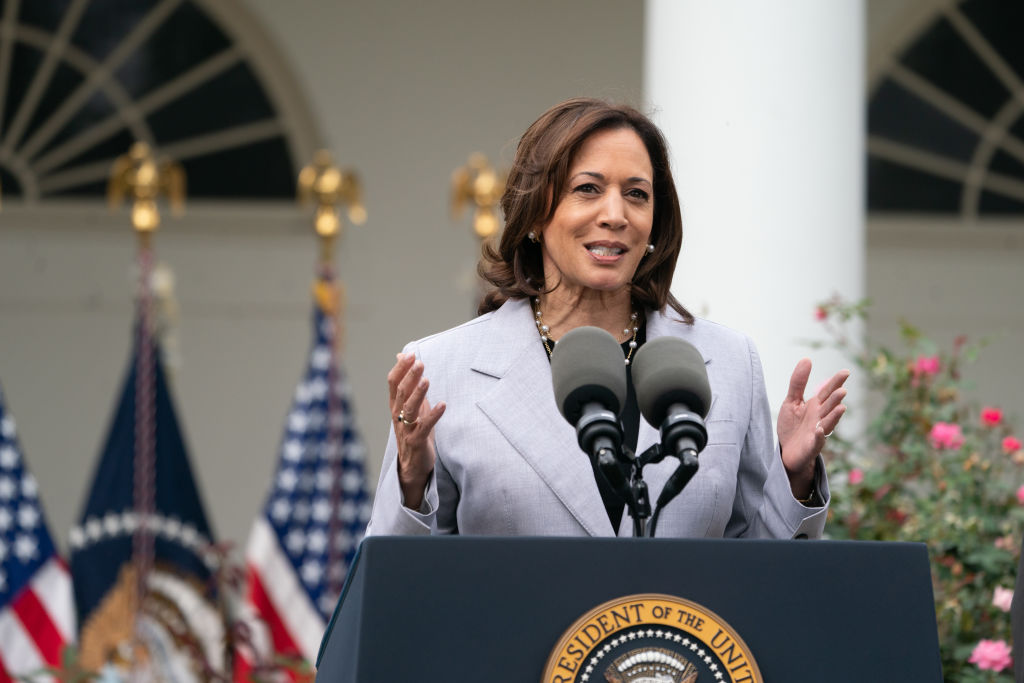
602,222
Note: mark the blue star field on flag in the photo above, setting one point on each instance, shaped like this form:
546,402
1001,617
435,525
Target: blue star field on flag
25,543
320,473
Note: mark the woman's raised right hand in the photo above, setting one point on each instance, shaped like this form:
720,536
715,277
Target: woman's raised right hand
414,421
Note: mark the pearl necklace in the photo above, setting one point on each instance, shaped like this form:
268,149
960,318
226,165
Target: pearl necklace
545,331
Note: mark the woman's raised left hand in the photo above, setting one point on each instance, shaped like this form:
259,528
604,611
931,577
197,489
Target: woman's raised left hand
804,424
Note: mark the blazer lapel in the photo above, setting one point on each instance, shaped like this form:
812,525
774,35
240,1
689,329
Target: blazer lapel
522,407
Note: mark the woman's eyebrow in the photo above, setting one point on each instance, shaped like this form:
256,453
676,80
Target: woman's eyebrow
600,176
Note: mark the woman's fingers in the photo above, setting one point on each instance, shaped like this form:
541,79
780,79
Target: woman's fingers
834,382
798,380
429,416
829,422
833,400
411,408
397,374
405,388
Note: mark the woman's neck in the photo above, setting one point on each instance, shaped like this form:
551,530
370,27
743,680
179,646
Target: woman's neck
610,311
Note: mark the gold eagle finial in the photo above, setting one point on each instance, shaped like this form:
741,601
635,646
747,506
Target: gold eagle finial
139,176
328,186
478,183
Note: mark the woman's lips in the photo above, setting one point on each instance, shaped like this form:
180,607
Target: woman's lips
604,252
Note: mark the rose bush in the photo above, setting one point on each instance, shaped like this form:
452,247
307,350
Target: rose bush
933,467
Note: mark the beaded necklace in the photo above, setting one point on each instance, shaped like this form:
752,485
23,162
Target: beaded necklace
545,331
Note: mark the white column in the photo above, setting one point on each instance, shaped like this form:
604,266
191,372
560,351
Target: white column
762,105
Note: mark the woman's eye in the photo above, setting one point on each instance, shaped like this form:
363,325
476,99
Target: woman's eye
637,193
585,187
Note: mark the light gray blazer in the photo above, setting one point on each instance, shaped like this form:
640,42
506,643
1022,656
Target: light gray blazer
508,463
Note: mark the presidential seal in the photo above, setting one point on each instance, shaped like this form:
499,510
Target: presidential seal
651,638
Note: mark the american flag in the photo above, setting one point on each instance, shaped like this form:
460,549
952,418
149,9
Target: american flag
37,615
303,542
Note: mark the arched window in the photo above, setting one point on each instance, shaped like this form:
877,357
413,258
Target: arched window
946,114
80,80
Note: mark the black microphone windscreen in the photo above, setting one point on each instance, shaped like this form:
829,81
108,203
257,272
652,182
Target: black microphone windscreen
668,370
587,366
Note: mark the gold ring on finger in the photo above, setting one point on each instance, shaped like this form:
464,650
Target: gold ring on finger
401,418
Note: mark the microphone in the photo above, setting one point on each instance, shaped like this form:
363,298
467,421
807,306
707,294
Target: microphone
589,380
673,392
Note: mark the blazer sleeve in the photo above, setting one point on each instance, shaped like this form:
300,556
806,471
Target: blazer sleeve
764,506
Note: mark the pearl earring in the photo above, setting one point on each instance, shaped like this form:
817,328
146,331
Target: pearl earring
650,248
532,236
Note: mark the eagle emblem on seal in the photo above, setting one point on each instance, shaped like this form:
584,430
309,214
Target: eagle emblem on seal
651,665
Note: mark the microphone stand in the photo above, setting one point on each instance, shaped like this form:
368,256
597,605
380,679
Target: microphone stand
685,427
637,499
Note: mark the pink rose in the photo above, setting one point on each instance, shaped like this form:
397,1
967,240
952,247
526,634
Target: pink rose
820,313
926,365
990,417
946,435
1002,598
1011,444
993,655
1020,495
856,476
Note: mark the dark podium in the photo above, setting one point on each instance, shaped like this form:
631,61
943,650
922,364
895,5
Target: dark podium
493,609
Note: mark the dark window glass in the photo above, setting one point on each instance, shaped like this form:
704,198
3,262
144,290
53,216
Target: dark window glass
63,82
892,187
25,60
105,23
97,108
1001,23
262,169
8,183
44,14
992,203
1017,129
184,40
1004,164
108,149
942,57
231,99
896,114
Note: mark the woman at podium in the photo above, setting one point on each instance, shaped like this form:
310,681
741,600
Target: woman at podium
592,235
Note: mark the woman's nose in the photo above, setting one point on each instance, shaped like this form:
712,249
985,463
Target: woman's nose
613,214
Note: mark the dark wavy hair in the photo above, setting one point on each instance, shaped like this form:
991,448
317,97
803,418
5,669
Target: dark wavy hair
537,179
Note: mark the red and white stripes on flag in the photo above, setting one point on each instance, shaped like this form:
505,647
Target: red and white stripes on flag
279,614
37,607
37,623
306,537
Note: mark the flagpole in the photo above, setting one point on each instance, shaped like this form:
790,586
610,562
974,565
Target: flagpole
329,187
138,175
